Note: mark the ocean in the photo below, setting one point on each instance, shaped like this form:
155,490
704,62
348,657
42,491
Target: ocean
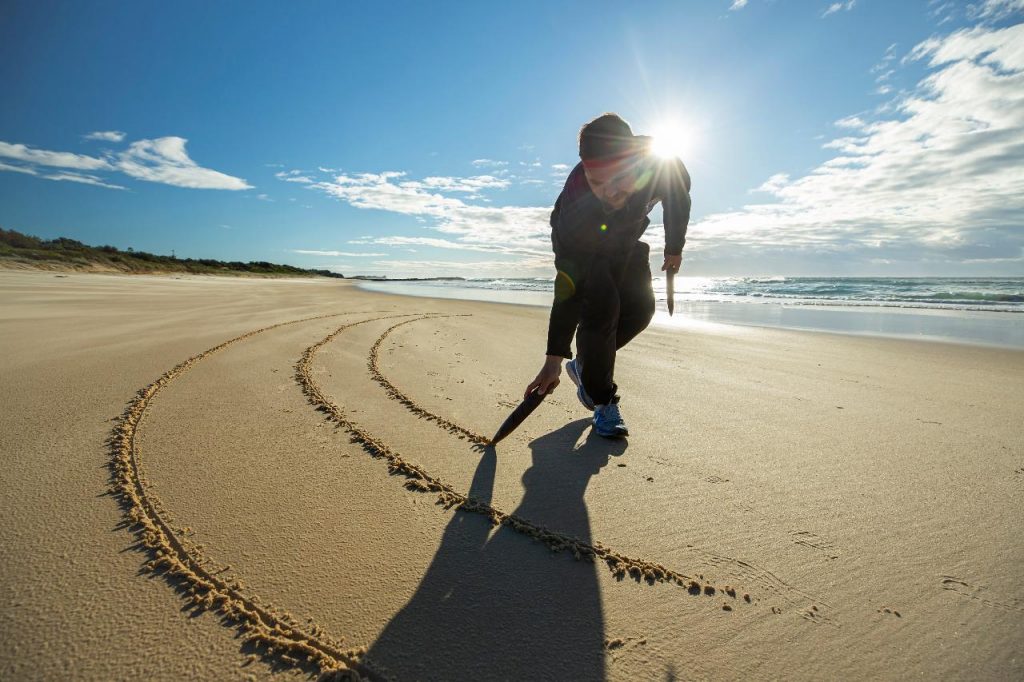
975,310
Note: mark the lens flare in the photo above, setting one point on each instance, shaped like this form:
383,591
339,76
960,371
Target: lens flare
671,141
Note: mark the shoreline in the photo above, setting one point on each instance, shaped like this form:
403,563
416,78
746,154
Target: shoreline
970,328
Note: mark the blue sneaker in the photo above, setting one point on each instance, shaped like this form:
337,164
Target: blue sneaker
608,422
574,368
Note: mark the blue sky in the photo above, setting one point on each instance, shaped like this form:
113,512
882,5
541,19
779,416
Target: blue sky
851,138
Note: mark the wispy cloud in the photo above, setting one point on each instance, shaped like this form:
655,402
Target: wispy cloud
17,169
489,163
106,136
993,10
774,183
165,160
839,7
443,268
520,235
472,223
356,254
43,157
439,243
737,5
82,178
938,181
162,160
67,176
884,70
471,185
943,11
294,176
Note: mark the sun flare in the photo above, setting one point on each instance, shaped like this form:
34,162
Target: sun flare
672,140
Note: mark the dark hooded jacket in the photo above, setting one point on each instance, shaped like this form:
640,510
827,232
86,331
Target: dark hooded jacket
582,229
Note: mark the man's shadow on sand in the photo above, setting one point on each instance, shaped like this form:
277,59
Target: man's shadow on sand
497,604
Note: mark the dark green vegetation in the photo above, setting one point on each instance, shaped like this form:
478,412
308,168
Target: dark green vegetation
69,254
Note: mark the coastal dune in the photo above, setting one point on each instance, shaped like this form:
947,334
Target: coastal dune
304,486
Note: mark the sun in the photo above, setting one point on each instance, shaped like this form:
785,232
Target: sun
671,140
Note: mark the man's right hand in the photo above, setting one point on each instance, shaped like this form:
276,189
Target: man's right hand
547,379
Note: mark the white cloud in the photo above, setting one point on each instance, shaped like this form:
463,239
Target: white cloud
82,178
884,71
294,176
472,185
68,176
473,224
43,157
443,268
737,5
774,183
161,160
27,170
106,136
939,181
994,10
439,243
311,252
489,163
165,160
520,234
839,7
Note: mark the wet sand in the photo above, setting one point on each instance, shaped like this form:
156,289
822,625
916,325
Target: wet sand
242,478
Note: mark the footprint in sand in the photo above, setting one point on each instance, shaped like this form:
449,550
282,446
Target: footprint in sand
980,593
815,615
812,541
618,646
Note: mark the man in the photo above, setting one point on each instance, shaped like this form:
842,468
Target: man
603,292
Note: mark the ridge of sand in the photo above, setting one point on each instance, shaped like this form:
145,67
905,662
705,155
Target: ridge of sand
186,566
419,479
277,634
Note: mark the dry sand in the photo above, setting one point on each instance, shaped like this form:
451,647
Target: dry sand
791,505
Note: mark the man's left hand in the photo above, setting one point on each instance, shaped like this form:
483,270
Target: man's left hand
672,263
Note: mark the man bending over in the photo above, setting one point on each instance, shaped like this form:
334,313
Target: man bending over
603,292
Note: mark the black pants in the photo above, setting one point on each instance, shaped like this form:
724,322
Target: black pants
618,304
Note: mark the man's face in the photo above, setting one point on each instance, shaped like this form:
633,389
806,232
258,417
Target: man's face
614,183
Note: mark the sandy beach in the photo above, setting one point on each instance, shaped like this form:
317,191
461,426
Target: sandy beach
242,478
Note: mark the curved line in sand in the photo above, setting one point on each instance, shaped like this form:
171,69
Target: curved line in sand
744,569
277,632
418,479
